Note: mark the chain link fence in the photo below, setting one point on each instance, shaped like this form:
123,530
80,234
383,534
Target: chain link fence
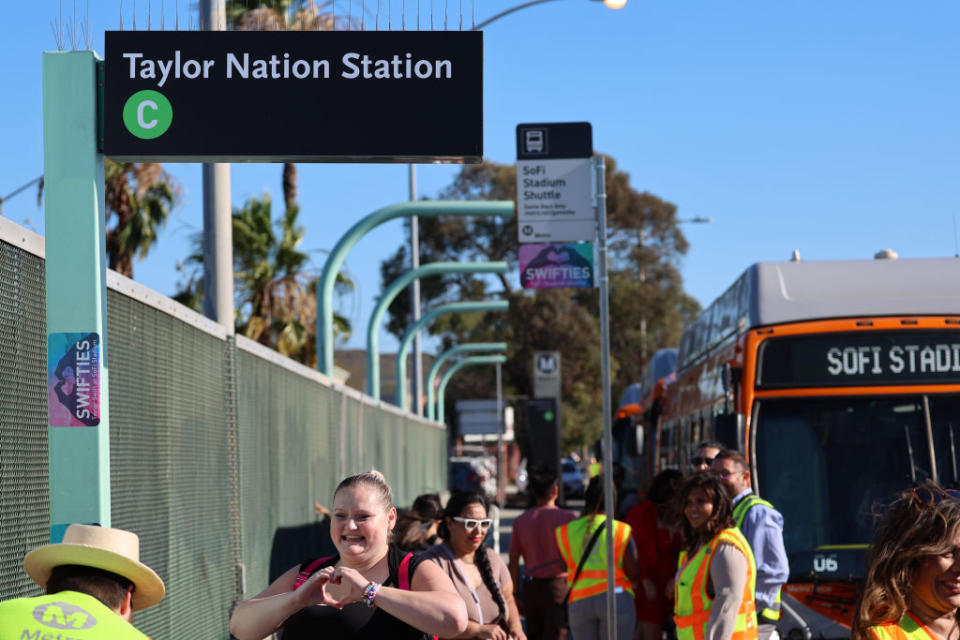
219,447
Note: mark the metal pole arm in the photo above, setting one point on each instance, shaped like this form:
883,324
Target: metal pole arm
425,208
435,369
430,316
469,360
398,285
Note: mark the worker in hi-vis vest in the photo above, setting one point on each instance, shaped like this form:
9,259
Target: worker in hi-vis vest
93,580
583,546
762,526
714,585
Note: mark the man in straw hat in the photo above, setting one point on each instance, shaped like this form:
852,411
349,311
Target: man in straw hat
94,581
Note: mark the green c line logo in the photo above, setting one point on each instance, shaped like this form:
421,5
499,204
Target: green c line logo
147,114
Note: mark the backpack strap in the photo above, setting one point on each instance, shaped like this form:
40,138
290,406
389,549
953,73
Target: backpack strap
309,570
403,573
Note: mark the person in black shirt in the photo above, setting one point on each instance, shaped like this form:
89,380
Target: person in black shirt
370,589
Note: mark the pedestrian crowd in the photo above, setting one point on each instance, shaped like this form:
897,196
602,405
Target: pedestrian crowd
698,557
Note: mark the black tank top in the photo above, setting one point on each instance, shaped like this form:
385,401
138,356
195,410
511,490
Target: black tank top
355,621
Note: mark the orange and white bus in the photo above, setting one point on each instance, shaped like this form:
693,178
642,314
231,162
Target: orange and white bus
840,382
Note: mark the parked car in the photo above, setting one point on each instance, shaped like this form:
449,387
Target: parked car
572,479
473,473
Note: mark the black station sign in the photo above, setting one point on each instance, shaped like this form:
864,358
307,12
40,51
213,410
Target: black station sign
861,358
276,96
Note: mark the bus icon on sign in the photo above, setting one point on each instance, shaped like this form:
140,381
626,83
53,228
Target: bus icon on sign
534,140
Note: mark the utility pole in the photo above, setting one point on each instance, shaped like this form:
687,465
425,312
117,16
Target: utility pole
217,221
417,378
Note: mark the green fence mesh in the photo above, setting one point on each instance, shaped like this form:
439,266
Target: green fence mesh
171,414
218,451
24,480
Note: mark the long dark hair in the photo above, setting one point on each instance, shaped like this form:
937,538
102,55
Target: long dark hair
920,523
455,506
722,516
410,533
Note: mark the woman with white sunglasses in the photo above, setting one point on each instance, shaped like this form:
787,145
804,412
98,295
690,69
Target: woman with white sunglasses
479,575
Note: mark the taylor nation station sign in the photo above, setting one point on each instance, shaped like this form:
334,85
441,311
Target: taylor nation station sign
271,96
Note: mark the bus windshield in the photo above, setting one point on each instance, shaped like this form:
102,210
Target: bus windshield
830,464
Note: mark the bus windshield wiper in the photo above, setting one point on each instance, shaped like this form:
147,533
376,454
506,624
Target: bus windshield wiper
930,448
913,465
953,454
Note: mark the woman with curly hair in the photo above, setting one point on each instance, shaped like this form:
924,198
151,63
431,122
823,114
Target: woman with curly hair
478,573
912,588
714,585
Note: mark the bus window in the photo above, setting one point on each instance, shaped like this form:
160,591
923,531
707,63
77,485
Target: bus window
945,423
829,464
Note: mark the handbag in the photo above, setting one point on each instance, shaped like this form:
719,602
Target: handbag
563,615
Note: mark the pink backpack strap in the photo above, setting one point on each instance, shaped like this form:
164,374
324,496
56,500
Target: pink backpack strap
403,573
309,570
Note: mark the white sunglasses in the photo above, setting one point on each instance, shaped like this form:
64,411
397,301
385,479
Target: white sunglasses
471,524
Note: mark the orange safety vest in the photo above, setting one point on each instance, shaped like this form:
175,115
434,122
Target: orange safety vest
909,628
572,539
692,604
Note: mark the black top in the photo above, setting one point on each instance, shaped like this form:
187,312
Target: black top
355,621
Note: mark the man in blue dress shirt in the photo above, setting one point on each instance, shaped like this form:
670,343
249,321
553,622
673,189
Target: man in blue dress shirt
762,526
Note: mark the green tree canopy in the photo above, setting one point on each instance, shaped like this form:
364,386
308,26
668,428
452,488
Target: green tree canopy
648,306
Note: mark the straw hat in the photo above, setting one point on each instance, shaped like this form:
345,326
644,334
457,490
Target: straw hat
113,550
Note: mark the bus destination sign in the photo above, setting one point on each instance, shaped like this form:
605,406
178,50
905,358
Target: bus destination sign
860,358
293,96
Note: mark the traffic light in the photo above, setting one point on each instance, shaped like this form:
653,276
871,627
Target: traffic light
543,427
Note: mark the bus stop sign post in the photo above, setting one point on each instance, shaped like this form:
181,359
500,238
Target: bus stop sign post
601,205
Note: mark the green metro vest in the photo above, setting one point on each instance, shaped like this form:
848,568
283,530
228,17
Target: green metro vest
692,603
749,501
909,628
68,614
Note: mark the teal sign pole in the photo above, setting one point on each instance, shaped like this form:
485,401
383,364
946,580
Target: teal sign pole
430,316
469,360
76,290
423,209
435,369
398,285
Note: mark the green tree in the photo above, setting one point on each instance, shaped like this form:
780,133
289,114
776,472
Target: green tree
139,197
647,301
274,285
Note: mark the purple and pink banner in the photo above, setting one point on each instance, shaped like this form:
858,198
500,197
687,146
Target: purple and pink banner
73,379
555,266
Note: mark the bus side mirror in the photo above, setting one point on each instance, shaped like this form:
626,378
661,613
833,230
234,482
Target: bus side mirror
728,429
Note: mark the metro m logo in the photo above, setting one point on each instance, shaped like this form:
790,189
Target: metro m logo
63,615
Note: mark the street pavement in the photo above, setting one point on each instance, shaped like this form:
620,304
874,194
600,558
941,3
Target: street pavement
509,514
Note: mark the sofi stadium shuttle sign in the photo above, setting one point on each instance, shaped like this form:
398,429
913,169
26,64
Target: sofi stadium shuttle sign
213,97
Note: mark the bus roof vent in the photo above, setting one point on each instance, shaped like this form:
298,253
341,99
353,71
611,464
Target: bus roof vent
796,256
886,254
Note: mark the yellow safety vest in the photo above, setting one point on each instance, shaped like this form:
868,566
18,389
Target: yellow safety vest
774,611
68,614
572,539
594,469
691,603
909,628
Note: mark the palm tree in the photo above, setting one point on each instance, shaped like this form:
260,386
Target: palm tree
140,195
275,289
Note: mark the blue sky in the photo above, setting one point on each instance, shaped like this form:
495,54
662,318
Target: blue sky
823,126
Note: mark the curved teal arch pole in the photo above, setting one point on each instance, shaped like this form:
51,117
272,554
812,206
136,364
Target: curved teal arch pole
435,369
469,360
426,209
430,316
398,285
